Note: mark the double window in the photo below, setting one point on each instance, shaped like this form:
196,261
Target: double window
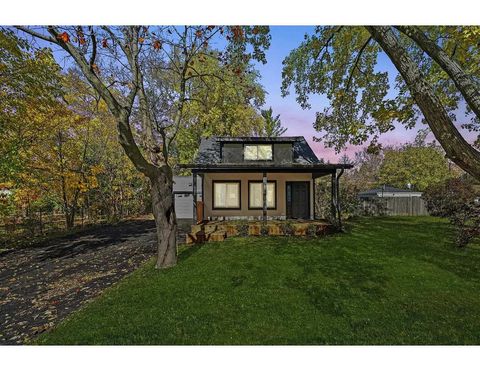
226,194
255,152
255,195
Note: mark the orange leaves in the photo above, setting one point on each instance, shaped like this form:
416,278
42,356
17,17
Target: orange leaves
237,33
199,33
63,37
157,45
105,43
80,36
141,40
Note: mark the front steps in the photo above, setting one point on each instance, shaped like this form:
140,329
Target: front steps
220,230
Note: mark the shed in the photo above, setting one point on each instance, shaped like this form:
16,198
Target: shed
183,192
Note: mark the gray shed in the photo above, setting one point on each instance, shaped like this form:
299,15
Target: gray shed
183,192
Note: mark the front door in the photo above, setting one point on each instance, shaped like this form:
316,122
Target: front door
298,200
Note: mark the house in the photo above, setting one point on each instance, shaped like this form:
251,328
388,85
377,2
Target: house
183,192
393,201
259,178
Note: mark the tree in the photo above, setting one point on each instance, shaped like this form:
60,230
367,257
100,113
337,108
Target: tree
273,125
420,166
116,62
365,173
29,83
438,69
225,104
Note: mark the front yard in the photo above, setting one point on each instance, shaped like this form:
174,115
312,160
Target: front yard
387,281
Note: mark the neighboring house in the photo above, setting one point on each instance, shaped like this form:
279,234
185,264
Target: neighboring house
393,201
183,191
259,178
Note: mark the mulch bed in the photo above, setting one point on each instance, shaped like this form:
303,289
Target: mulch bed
42,284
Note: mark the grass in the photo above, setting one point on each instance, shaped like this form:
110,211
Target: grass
386,281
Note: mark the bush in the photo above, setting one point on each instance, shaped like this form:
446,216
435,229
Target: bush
350,204
243,228
456,200
287,228
445,199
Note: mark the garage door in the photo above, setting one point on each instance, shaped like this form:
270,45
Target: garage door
184,206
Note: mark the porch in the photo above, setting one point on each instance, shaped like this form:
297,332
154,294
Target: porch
282,193
220,230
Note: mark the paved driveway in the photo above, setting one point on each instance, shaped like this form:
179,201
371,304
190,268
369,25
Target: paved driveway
41,285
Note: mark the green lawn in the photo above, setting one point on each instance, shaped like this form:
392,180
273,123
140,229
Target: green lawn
386,281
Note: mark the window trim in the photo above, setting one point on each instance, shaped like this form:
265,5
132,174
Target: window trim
257,144
239,194
274,197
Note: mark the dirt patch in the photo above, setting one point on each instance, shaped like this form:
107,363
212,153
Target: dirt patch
42,284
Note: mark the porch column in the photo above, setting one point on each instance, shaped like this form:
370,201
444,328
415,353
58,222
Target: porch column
339,205
202,176
194,191
333,199
264,196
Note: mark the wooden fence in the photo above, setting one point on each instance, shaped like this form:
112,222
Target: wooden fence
395,206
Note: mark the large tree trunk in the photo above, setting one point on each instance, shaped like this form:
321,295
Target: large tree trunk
455,146
462,81
161,177
164,214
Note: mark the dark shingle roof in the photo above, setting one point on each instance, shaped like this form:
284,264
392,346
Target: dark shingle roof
209,152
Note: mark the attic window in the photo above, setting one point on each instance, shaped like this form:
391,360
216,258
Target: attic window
258,152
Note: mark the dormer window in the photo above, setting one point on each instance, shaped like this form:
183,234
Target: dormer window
255,152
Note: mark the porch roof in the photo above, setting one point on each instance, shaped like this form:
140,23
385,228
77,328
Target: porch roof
266,167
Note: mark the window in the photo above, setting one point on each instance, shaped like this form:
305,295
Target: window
258,152
255,195
226,194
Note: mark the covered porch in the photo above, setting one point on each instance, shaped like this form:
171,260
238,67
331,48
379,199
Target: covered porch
291,192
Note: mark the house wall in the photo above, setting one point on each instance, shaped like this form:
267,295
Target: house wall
281,179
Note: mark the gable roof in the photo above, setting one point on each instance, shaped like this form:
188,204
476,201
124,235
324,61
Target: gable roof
209,152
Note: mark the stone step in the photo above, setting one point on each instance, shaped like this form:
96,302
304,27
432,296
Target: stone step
217,236
198,237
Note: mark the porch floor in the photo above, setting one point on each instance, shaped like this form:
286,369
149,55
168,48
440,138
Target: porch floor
220,230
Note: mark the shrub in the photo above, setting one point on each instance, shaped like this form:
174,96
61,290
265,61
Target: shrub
264,230
312,230
350,204
243,228
445,199
287,228
455,199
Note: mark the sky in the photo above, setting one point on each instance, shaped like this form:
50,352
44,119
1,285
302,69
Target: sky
299,121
